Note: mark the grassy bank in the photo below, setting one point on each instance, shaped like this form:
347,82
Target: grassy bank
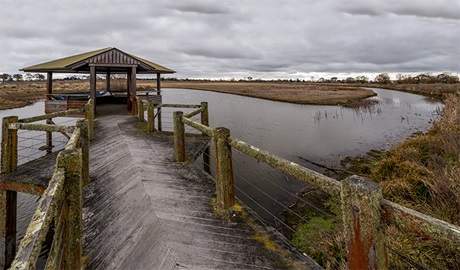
293,92
18,94
422,173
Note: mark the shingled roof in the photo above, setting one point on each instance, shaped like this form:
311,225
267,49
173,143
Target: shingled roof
105,59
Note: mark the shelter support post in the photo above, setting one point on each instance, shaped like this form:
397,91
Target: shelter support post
159,107
128,87
92,85
49,85
107,81
133,89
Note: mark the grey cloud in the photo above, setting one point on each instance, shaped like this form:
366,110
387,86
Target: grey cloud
443,9
201,7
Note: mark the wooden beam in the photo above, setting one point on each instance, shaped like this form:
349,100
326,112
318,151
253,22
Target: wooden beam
159,108
128,96
133,89
107,80
92,85
49,85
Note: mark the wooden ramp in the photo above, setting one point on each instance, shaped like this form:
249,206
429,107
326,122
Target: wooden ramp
143,211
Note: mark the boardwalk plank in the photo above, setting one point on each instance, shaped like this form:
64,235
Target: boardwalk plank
143,211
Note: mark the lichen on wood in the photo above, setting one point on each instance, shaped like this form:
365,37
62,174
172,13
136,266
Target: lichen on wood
30,246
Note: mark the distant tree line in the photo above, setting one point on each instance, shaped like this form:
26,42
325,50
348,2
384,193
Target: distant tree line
382,78
19,77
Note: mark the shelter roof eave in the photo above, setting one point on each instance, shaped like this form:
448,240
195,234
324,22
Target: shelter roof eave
80,63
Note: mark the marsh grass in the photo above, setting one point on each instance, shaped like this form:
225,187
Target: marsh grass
422,173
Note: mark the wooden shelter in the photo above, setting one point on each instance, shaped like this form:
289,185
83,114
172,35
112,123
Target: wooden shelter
104,61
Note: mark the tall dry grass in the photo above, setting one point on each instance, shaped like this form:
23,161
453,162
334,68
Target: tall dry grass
422,173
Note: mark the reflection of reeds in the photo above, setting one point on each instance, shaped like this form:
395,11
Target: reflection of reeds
362,103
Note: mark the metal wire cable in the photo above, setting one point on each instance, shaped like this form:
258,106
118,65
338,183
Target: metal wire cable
292,194
290,210
407,259
288,227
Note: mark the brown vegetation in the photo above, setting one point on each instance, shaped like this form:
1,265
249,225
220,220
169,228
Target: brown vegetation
422,173
293,92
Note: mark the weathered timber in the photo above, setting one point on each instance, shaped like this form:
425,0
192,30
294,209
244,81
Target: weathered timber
48,204
8,208
419,223
74,140
9,155
150,116
49,137
225,189
179,137
363,227
31,177
140,109
204,129
195,112
83,126
71,160
42,127
205,114
206,151
49,116
89,115
185,106
143,211
317,180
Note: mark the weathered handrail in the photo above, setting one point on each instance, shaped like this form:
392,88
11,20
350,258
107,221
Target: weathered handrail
364,209
42,127
50,115
61,201
30,247
428,226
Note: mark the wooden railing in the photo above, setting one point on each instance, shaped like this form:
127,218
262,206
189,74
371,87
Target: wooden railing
60,206
364,210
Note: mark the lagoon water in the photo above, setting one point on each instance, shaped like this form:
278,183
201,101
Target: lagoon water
322,134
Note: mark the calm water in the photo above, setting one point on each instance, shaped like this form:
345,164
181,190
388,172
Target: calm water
322,134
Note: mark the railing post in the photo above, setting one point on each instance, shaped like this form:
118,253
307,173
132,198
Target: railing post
89,115
160,128
8,207
179,137
8,199
140,109
224,170
206,152
71,160
84,144
9,145
363,227
205,114
151,116
49,137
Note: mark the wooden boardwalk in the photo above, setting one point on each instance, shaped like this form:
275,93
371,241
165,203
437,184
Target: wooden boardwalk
144,211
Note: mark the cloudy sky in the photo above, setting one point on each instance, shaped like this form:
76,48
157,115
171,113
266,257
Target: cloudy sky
245,38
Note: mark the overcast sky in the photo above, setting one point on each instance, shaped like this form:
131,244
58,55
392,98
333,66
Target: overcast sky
245,38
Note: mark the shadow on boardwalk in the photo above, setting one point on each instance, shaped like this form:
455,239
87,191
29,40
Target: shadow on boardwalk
143,211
